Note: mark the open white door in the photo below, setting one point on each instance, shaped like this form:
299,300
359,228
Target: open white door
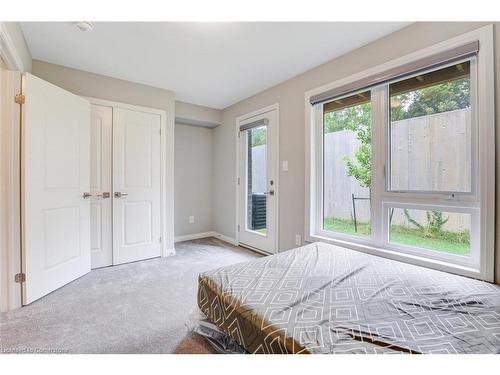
136,185
55,183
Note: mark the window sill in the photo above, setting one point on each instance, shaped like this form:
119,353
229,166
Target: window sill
402,257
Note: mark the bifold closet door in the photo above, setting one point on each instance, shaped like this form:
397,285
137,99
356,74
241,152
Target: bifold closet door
136,185
101,137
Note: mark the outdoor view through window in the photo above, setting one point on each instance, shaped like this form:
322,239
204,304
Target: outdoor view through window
347,139
430,152
430,135
257,179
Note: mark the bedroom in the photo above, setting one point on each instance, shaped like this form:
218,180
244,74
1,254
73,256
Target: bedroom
273,196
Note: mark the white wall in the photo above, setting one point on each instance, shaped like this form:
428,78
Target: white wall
193,179
290,96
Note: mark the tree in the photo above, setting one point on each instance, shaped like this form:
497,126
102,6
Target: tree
357,119
439,98
259,136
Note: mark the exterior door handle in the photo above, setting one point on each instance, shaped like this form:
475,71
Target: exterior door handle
119,194
270,192
86,195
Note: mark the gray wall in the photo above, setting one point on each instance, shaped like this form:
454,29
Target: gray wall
290,96
103,87
193,179
197,114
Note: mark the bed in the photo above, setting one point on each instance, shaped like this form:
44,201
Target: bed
321,298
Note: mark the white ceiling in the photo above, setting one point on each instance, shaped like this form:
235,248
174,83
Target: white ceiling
211,64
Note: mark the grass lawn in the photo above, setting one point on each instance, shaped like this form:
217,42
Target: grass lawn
262,230
451,242
346,226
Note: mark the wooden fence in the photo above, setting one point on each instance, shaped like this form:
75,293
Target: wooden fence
428,153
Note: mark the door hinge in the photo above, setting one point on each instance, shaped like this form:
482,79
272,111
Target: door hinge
238,227
238,180
159,239
19,99
20,277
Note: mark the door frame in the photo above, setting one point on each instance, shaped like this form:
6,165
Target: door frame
240,119
10,172
10,195
166,172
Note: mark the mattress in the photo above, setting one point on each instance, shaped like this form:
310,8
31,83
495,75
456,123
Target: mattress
322,298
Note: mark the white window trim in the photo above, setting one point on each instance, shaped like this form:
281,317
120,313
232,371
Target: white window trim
378,245
473,194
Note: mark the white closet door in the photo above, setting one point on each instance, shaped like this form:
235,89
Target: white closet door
55,167
136,185
101,134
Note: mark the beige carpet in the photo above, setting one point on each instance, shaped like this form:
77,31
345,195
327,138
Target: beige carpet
142,307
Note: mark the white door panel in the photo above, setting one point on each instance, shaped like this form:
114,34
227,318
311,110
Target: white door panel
100,185
56,167
136,186
258,139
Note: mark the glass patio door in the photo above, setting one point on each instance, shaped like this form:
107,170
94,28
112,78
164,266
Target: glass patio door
257,182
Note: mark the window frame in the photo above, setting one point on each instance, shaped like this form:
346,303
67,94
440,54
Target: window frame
463,195
479,202
320,182
471,261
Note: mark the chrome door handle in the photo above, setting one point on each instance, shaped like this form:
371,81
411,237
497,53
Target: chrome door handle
103,195
86,195
270,192
119,194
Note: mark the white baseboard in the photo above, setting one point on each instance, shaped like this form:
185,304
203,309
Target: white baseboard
196,236
227,239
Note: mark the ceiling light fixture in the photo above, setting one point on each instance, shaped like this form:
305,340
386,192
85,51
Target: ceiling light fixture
84,26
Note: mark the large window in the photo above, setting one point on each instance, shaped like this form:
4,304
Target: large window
402,165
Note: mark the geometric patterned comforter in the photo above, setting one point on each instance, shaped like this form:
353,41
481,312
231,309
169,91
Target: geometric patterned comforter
321,298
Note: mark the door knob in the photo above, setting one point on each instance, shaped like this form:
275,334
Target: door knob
119,194
86,195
